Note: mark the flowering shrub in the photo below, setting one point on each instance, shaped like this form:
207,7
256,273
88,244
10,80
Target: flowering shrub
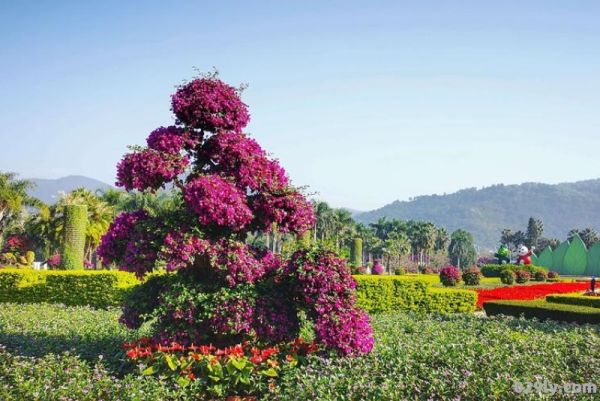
54,261
16,244
377,267
522,276
507,276
540,275
527,292
553,275
450,276
222,291
471,276
240,369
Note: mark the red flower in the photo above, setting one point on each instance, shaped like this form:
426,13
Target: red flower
527,292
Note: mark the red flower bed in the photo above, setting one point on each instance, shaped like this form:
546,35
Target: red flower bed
527,292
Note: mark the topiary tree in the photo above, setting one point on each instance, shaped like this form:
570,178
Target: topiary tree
73,246
356,254
222,291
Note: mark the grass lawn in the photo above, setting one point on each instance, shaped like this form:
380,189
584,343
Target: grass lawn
50,352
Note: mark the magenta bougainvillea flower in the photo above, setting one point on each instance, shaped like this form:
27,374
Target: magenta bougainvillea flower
220,290
210,105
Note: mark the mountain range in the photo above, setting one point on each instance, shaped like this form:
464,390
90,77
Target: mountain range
485,212
49,190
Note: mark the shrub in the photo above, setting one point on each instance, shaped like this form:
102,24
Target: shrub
540,275
541,309
377,267
99,289
379,294
553,275
399,271
522,276
494,270
426,270
507,277
574,299
450,276
74,229
471,276
447,301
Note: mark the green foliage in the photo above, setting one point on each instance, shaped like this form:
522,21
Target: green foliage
462,249
540,275
574,299
384,294
472,276
74,230
507,276
522,276
98,289
576,259
558,257
542,309
449,358
356,258
593,266
545,258
496,270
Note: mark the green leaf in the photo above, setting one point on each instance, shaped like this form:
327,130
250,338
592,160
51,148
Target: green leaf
269,372
170,362
148,371
183,381
239,364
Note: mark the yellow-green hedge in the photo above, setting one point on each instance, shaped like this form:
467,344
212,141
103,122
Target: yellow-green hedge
98,289
383,294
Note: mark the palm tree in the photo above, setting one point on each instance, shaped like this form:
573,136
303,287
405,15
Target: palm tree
13,200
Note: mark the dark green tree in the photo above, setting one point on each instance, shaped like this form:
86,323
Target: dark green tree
535,230
462,250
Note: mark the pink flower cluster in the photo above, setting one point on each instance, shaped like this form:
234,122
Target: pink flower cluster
377,267
171,140
322,282
242,158
291,212
210,105
16,244
275,320
180,250
233,317
149,169
54,260
235,262
114,242
217,202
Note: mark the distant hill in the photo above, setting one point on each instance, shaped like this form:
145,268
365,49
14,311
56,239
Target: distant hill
485,212
48,190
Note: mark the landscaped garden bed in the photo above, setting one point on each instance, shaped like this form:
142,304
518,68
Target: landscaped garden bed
528,292
542,309
52,352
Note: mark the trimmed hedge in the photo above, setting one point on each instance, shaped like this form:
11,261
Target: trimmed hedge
73,245
98,289
384,294
544,310
491,270
574,299
101,289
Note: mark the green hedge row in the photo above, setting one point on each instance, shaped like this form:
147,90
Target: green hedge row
491,270
544,310
574,299
98,289
383,294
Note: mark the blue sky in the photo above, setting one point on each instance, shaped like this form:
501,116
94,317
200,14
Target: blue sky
364,102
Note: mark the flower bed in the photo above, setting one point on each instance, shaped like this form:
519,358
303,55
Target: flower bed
527,292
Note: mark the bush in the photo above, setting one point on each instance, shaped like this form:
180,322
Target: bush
541,309
553,275
450,276
540,275
377,267
385,294
471,276
574,299
426,270
507,277
492,270
522,276
98,289
447,301
399,271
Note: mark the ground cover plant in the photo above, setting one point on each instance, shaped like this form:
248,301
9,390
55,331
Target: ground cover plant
416,357
528,292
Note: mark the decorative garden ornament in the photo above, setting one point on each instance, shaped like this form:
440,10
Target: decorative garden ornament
524,255
503,255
